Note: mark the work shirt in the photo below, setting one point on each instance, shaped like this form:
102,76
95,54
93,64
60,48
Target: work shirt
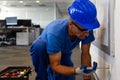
57,39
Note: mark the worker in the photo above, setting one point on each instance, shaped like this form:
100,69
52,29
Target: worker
51,51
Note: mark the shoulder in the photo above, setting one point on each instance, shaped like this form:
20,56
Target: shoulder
57,25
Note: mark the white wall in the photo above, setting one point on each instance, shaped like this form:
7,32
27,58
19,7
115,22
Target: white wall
38,15
105,61
58,12
116,64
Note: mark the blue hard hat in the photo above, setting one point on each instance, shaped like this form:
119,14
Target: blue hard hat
84,13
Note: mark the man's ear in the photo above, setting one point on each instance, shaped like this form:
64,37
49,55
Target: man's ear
70,27
70,23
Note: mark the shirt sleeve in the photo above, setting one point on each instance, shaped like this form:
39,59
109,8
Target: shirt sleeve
53,44
89,39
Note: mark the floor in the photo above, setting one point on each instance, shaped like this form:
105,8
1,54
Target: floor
19,55
16,56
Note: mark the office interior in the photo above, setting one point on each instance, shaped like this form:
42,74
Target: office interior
30,18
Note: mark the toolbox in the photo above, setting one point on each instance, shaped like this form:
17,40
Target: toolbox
15,73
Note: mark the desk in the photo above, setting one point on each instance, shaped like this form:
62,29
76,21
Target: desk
23,35
15,28
24,38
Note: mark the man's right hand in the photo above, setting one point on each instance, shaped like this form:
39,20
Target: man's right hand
84,70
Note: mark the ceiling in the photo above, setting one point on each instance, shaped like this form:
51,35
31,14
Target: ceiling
62,4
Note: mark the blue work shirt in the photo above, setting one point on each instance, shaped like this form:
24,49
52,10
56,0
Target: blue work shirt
57,39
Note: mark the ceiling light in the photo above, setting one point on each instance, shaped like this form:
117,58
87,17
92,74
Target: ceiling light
4,2
20,1
37,1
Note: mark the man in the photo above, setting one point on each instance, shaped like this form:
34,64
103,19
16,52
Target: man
51,51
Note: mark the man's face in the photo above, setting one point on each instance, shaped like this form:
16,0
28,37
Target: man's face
79,31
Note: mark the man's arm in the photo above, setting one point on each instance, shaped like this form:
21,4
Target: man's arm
86,57
57,67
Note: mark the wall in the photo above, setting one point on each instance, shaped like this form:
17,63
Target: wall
116,64
104,63
38,15
108,66
58,12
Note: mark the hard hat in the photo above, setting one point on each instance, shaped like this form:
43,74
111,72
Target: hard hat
84,13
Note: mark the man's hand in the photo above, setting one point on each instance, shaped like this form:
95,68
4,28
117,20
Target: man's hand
84,70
